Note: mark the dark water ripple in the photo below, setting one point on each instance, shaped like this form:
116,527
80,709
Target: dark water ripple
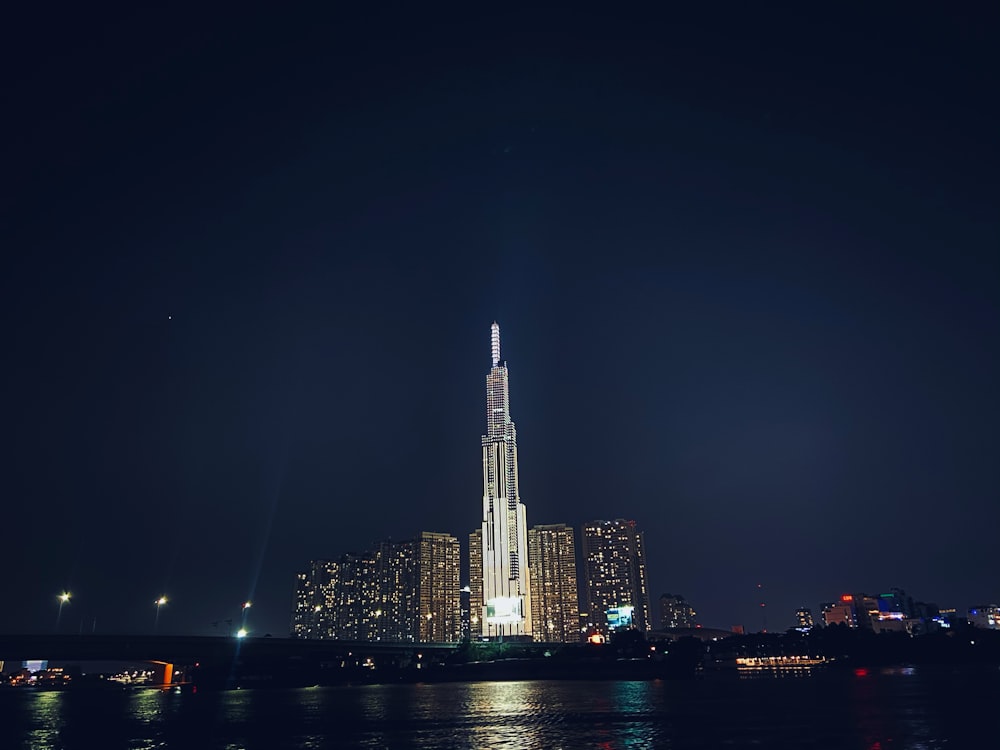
914,709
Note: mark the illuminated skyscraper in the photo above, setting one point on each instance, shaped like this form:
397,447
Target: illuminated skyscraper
505,604
555,612
614,564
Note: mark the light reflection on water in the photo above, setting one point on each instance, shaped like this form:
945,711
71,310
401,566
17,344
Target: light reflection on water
900,708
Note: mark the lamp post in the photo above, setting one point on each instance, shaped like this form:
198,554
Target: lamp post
64,598
159,603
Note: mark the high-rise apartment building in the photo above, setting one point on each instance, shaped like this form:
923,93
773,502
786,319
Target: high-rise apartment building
395,609
314,611
439,618
505,603
476,585
555,610
675,612
306,605
614,567
355,600
401,591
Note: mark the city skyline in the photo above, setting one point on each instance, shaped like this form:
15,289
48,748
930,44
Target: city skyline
745,265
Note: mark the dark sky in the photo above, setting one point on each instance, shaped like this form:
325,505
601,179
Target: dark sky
746,267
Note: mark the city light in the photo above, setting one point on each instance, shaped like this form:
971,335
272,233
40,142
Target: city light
241,633
63,598
159,603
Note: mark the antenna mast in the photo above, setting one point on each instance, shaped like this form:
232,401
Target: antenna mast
495,343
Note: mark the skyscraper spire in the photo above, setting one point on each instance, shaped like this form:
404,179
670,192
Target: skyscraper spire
499,575
495,342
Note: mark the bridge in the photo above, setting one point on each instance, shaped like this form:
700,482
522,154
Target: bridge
220,661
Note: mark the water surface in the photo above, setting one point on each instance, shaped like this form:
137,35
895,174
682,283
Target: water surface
876,710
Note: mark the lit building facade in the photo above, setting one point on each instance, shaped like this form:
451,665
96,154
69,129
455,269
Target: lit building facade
986,616
476,585
504,608
304,604
314,609
804,618
555,609
614,568
401,591
439,616
395,609
675,612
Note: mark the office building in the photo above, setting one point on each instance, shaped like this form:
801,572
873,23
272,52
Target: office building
555,610
615,591
505,604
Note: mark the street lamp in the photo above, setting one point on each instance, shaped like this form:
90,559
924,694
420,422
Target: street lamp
159,603
241,633
64,598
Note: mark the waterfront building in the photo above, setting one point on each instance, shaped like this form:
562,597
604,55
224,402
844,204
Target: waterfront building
504,604
400,591
396,608
313,609
985,616
439,616
304,606
804,618
476,584
675,612
555,610
862,611
355,599
615,591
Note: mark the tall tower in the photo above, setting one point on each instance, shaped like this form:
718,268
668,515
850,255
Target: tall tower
505,604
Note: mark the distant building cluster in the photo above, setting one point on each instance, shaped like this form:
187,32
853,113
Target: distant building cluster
524,584
399,591
538,584
896,611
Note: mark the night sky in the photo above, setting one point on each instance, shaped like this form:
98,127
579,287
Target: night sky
746,269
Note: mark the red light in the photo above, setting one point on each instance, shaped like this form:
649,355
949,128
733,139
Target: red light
860,672
847,598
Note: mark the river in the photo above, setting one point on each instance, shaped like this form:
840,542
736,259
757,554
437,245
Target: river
875,710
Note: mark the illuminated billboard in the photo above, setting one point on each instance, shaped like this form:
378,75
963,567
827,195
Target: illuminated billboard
619,617
504,610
